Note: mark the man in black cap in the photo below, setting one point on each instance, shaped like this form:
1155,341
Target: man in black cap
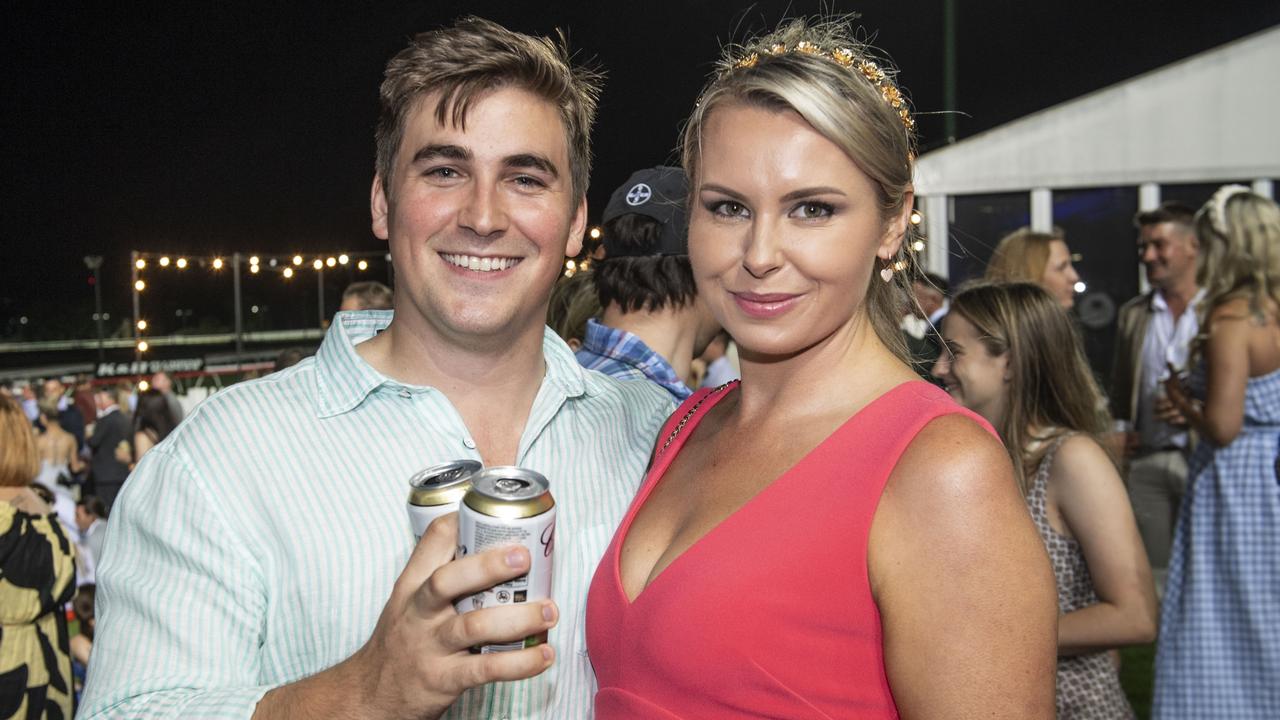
652,325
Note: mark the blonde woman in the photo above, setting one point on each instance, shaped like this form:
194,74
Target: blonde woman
831,536
1041,258
1219,651
1013,356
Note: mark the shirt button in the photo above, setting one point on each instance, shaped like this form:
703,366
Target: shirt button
406,394
471,444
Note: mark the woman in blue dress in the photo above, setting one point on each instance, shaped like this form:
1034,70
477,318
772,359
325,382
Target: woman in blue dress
1219,649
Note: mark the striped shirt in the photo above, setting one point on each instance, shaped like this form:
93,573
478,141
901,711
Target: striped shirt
258,544
623,355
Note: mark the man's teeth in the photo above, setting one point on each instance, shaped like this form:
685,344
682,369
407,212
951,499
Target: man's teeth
480,264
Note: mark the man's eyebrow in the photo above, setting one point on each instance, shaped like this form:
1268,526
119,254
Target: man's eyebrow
448,152
534,161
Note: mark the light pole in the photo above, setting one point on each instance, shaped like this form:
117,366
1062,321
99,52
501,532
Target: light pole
94,262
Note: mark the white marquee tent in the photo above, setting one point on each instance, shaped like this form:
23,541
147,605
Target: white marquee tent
1209,118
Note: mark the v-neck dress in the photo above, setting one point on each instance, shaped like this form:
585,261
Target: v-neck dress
751,621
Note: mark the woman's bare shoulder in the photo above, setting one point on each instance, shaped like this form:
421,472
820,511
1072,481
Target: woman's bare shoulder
953,453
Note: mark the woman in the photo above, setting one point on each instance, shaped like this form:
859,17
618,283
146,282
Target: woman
37,579
1219,650
1041,258
1013,357
152,422
831,534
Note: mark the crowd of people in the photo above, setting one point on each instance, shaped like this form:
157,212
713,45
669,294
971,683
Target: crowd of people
796,475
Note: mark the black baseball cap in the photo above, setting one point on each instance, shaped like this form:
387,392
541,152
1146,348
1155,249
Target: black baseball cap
660,193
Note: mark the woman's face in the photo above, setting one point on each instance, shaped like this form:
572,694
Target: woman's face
973,376
784,231
1060,276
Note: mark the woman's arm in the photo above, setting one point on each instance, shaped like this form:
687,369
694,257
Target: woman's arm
1086,492
74,463
1227,361
141,444
963,583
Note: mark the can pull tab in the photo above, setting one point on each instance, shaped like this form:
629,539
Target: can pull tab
510,485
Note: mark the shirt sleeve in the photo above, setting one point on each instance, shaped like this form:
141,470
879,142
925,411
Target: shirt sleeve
180,604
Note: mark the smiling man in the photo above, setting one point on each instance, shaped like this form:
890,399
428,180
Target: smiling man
261,561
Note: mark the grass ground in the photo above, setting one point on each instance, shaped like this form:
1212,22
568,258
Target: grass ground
1137,673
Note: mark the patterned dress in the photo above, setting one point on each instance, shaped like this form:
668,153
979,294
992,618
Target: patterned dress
37,578
1219,649
1088,685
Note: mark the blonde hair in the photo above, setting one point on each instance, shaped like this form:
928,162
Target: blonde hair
1021,256
1240,252
1050,385
19,460
842,105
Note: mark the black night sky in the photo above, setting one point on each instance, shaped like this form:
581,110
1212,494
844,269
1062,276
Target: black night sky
218,127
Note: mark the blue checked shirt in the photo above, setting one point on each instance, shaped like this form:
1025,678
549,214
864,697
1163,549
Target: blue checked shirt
258,544
619,354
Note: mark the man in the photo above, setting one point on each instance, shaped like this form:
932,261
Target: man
920,324
1154,332
162,382
651,325
91,521
253,559
69,417
106,472
366,295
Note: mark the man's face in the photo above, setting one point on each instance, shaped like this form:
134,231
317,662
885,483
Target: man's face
102,399
479,219
160,381
83,518
1168,251
53,389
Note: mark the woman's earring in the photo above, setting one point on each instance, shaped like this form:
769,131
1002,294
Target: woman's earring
886,273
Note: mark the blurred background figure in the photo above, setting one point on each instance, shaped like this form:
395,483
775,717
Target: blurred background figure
1219,649
153,420
1014,357
69,416
1153,332
651,325
60,463
1042,258
37,579
162,383
107,472
288,358
82,641
921,320
366,295
91,519
573,302
720,361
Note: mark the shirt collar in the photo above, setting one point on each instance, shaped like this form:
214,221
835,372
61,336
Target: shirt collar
1158,303
344,379
629,349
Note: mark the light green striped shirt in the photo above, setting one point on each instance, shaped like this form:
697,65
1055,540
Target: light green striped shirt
258,544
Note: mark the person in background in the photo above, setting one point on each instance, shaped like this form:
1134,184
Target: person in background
110,431
82,641
153,420
287,358
91,520
573,301
60,462
921,321
1013,356
366,295
37,579
276,514
720,358
831,536
1219,649
1042,258
69,416
1154,331
162,383
651,325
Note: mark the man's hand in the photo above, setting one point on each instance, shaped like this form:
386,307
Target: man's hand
418,660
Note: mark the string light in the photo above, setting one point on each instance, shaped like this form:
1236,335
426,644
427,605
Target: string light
217,263
164,261
288,272
297,259
331,262
362,265
182,263
143,345
317,264
253,260
253,269
140,286
140,264
343,259
143,385
142,324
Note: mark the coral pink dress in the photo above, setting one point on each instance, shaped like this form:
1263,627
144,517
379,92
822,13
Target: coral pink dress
750,622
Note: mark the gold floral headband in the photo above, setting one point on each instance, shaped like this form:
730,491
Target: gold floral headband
846,58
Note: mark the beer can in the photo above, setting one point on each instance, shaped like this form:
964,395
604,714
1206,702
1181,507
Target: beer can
509,506
437,491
